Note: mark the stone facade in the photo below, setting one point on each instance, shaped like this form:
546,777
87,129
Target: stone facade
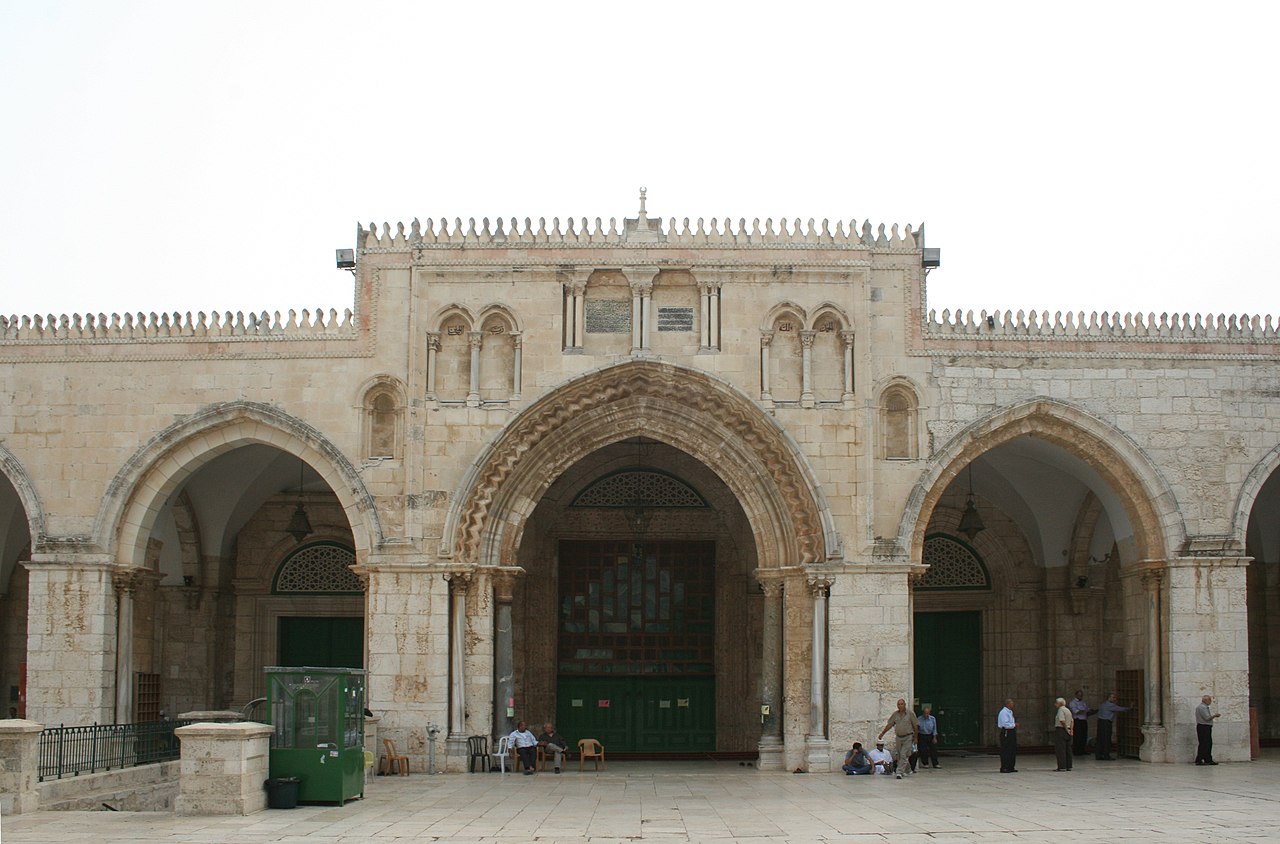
1122,466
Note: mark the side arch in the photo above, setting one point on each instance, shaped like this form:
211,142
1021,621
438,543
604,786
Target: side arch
1249,491
1147,499
690,410
16,474
139,490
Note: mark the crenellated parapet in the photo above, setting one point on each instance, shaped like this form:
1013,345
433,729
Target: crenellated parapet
152,326
641,231
1077,325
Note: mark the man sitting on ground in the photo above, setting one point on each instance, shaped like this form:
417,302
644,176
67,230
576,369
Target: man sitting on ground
881,759
856,761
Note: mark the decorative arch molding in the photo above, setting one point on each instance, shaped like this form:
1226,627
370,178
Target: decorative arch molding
450,311
785,307
139,490
385,383
503,312
1148,500
832,310
1249,491
702,415
17,476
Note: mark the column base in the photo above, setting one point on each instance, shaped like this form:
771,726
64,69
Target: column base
817,754
456,754
1155,743
771,756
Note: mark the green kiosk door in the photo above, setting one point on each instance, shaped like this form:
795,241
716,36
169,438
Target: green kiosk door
636,645
948,659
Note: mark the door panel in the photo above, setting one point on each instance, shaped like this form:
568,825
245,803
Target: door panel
321,642
948,659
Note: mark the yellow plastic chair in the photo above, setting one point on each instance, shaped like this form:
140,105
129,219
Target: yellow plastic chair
589,748
368,764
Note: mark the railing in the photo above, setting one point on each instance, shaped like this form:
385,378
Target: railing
70,751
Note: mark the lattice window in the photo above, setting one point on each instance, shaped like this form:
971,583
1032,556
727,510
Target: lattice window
952,565
639,488
322,568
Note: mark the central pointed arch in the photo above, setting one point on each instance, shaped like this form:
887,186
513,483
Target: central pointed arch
702,415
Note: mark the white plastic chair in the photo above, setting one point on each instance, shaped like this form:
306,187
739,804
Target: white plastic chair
502,751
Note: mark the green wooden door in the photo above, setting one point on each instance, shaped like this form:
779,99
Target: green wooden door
321,642
948,659
636,645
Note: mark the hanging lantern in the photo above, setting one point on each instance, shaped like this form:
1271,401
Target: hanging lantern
970,521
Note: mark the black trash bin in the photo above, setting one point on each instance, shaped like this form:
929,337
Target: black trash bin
282,792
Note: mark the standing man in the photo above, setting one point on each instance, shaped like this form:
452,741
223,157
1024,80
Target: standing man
526,747
1204,732
906,732
928,738
1080,715
554,743
1106,719
1063,724
1008,728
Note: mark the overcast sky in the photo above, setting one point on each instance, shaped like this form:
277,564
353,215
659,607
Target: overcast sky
211,156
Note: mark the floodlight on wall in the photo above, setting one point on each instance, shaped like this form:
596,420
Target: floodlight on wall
970,521
346,259
299,525
931,258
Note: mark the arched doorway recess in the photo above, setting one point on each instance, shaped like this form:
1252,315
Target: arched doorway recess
1074,527
1258,513
705,421
20,515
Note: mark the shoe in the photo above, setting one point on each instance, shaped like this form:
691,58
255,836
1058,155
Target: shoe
1198,762
936,767
897,776
528,773
557,769
1059,770
1211,762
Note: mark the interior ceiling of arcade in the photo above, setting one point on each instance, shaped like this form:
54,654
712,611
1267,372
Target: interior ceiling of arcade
1042,488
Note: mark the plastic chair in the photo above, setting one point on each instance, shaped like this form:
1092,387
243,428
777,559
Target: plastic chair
502,752
368,764
393,760
589,748
477,749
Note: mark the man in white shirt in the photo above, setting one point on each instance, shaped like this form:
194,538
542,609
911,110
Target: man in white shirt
881,759
1062,727
526,745
1204,732
1007,726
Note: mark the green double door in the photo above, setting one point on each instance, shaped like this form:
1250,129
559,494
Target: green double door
948,660
636,645
319,642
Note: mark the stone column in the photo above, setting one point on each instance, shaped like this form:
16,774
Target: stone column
579,290
771,746
816,744
504,666
714,327
125,582
223,768
807,337
517,342
457,737
19,766
704,317
71,639
433,353
641,280
766,337
847,338
475,339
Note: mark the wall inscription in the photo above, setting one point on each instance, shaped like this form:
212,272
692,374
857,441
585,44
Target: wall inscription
604,316
675,319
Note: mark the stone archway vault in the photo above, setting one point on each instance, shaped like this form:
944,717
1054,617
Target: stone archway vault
690,410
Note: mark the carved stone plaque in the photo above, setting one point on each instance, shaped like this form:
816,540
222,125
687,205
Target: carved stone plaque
605,316
675,319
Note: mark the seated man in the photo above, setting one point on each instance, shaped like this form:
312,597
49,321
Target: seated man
553,742
881,759
856,761
526,747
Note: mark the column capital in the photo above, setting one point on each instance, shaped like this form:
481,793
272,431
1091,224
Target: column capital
847,336
577,287
517,338
433,341
819,584
504,581
641,278
459,580
475,338
766,337
807,336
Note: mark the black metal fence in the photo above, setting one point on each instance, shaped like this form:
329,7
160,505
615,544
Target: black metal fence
69,751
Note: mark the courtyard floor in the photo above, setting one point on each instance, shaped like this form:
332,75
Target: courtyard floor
965,800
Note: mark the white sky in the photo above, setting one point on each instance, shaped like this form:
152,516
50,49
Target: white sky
211,156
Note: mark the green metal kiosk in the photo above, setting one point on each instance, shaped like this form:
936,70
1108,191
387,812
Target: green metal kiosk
318,736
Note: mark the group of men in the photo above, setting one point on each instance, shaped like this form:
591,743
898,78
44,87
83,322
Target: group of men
917,738
526,745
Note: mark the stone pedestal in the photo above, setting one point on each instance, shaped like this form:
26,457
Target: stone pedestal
1155,744
223,769
19,763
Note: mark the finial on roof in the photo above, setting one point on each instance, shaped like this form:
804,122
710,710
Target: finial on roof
643,215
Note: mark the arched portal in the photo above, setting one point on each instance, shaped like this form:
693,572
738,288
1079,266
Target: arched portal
1260,500
764,512
20,513
1070,522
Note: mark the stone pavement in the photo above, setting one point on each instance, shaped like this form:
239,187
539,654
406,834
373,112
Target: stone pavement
966,800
